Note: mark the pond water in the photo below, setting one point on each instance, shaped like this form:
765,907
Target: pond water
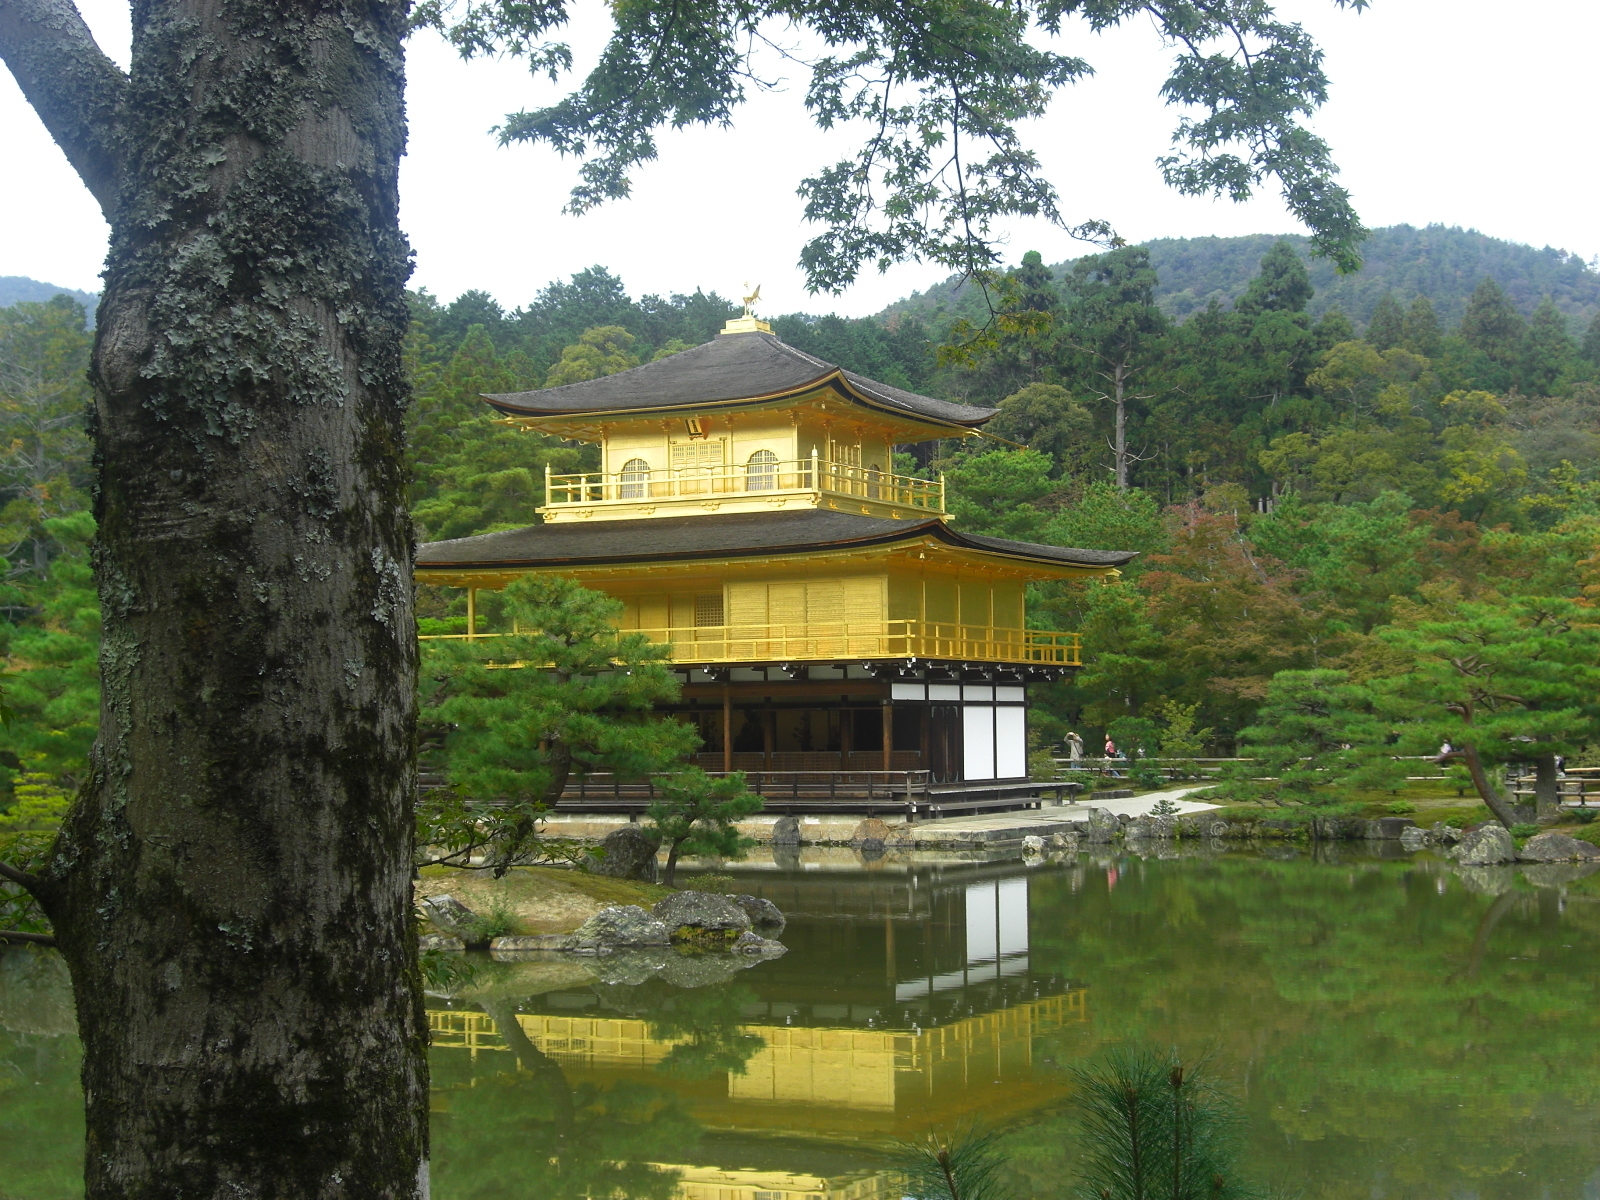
1397,1030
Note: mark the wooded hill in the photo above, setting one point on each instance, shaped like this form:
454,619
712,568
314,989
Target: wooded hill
1439,262
15,289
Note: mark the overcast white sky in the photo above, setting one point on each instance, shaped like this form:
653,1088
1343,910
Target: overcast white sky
1461,112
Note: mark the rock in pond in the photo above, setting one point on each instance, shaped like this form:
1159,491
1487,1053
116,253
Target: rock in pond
1033,845
450,915
619,925
517,944
763,914
1486,846
440,941
1413,838
754,943
1102,826
630,853
1556,847
702,917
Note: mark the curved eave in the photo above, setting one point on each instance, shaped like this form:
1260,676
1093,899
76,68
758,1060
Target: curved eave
937,532
834,380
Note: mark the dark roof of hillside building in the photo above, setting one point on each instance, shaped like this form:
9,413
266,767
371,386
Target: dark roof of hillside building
731,368
723,535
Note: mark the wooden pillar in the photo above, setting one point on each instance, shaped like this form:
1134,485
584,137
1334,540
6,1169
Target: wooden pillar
769,735
888,733
727,728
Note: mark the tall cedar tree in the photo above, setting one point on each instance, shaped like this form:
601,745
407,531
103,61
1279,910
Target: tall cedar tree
250,803
1547,349
1113,328
1422,334
1386,326
1491,325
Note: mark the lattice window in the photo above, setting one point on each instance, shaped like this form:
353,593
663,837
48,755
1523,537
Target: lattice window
706,453
708,611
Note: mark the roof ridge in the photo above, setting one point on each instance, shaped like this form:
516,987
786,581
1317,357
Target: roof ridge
798,353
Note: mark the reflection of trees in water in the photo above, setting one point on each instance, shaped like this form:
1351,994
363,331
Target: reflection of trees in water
1398,1027
531,1132
707,1019
41,1105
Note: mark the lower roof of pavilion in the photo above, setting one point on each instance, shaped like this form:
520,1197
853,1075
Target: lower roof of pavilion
493,559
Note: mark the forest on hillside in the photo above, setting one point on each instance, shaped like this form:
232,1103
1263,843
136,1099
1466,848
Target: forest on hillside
1442,263
1319,511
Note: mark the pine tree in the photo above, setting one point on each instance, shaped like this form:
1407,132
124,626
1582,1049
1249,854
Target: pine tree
1421,334
1386,326
1547,349
1492,324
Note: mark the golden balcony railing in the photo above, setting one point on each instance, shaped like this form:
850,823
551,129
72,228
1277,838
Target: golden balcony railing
835,640
755,479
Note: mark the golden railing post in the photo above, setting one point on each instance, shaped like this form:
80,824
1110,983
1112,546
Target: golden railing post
548,497
941,492
472,613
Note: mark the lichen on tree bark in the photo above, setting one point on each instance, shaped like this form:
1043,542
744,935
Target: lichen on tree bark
232,889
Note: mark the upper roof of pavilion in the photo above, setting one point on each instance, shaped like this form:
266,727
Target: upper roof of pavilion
735,369
725,537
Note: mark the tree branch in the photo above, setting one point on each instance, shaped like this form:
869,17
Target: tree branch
21,878
16,935
72,85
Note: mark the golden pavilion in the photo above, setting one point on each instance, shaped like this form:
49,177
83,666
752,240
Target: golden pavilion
825,614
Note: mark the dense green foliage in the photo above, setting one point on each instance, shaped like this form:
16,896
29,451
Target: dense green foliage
49,614
524,712
1307,503
945,87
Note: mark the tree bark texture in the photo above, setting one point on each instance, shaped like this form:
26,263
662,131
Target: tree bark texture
232,887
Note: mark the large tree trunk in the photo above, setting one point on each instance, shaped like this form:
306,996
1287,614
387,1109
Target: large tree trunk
232,889
1119,386
1503,809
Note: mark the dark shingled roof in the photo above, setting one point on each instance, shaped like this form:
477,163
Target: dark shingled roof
721,535
729,368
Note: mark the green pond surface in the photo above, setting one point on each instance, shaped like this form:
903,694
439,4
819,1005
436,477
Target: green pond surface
1395,1028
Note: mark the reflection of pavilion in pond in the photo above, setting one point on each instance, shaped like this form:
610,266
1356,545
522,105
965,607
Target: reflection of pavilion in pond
896,1007
714,1183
